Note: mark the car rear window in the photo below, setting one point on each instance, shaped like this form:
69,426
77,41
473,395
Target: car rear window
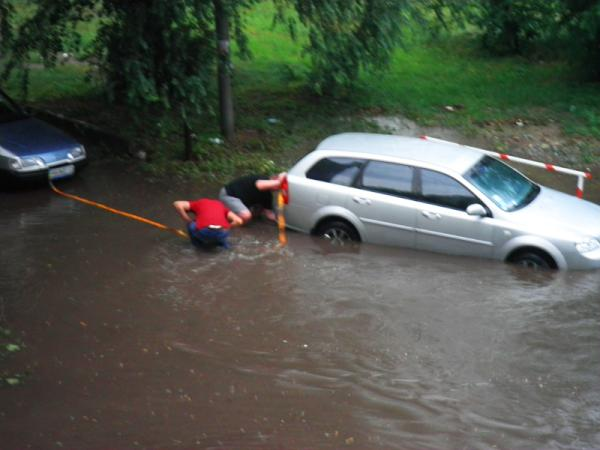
336,170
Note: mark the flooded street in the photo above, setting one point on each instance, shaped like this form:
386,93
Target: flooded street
136,339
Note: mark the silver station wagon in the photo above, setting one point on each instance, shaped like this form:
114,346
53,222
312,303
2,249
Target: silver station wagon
439,197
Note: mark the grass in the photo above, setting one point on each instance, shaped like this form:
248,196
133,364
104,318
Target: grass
64,82
423,78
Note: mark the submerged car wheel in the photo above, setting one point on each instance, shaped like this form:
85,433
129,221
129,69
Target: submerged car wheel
533,259
338,232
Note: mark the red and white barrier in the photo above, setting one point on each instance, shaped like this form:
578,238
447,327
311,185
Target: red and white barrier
581,176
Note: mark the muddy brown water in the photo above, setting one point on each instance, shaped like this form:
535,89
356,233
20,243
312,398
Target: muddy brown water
136,340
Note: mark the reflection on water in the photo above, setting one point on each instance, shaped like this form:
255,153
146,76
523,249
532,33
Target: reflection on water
137,339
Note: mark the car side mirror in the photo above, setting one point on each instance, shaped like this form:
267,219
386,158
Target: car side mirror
476,210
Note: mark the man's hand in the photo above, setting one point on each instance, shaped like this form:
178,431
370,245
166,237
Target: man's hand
182,207
234,219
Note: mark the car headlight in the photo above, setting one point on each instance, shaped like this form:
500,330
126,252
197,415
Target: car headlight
27,163
15,163
587,246
78,152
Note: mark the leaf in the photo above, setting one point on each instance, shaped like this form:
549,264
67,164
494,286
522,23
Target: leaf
12,381
12,347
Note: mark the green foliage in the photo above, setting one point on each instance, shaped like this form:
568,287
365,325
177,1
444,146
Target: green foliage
568,29
216,162
157,52
510,26
582,22
346,36
48,30
422,78
147,52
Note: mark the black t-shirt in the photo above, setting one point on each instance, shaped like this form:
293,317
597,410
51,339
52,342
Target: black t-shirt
245,189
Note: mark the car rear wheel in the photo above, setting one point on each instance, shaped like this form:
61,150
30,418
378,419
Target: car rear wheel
338,232
534,259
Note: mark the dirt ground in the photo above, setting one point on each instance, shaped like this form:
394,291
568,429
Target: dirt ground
544,143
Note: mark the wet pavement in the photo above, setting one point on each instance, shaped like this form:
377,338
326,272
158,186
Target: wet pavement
135,339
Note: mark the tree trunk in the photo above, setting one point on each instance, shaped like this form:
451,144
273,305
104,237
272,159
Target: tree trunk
187,141
225,92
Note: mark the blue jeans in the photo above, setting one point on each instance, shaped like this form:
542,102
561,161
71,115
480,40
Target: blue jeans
207,237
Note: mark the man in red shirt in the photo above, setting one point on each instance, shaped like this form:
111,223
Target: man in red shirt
212,221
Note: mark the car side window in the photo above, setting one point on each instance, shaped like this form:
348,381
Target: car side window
336,170
388,178
440,189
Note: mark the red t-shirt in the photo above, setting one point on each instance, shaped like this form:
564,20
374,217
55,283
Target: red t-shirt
210,212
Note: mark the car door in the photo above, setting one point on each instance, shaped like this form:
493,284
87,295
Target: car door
384,202
443,224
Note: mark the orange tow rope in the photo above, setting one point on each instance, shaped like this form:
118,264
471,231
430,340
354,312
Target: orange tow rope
116,211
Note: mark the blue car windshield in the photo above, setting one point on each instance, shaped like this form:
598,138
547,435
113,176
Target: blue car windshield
506,187
9,111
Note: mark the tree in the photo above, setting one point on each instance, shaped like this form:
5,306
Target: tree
346,36
148,52
510,25
162,52
582,20
158,53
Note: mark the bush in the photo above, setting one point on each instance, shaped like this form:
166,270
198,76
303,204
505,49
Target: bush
511,26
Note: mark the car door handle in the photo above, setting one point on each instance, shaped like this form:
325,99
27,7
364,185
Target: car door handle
431,215
361,200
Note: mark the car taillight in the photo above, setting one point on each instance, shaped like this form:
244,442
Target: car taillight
285,190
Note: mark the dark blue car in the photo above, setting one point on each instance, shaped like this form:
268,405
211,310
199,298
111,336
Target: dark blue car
31,148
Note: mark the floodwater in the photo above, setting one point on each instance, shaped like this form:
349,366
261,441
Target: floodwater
134,339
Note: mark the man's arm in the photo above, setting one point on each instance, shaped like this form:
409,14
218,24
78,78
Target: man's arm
268,185
182,207
234,219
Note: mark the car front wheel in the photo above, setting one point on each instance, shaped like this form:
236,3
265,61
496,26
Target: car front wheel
533,259
338,232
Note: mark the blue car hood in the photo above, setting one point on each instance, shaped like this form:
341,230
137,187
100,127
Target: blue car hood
29,136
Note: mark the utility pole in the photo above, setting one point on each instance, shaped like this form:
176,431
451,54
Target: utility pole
224,68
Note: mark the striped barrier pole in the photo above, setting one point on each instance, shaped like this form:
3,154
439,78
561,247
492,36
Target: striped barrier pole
283,198
581,176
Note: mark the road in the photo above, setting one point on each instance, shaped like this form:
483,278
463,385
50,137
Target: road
134,339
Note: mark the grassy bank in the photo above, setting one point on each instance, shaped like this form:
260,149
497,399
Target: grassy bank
278,118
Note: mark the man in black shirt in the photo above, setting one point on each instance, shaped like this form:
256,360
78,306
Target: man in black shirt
251,191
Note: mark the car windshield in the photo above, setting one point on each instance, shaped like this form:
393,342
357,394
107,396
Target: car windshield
8,111
506,187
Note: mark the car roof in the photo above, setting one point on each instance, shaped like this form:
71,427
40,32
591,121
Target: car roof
447,155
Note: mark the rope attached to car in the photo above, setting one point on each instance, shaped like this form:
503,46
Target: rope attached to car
116,211
282,199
